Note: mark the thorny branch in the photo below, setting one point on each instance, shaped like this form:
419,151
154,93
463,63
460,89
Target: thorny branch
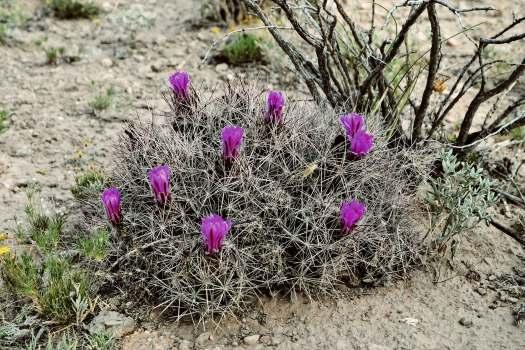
351,66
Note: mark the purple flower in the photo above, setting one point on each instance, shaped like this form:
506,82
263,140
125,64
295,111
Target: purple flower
214,230
231,142
180,84
159,180
361,143
353,123
111,200
351,213
274,107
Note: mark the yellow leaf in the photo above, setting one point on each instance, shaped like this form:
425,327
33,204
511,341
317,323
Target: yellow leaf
310,169
215,30
3,236
4,250
439,86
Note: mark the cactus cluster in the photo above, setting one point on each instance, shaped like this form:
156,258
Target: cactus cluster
234,193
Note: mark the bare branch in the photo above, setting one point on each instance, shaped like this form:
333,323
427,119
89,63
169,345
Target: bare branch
435,60
483,96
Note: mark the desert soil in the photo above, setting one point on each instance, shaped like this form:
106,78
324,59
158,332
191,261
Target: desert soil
53,134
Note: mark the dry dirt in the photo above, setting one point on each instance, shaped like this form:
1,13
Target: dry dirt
53,134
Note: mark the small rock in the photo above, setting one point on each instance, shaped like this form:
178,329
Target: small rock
185,345
203,339
492,278
410,321
121,53
512,300
106,6
107,62
221,67
276,341
466,322
453,42
159,40
377,347
113,323
157,67
266,340
251,339
481,291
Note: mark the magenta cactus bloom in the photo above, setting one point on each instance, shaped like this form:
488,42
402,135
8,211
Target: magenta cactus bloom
180,84
159,180
111,200
231,142
351,213
353,123
274,107
214,230
362,143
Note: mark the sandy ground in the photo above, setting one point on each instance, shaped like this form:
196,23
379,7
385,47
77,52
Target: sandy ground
53,134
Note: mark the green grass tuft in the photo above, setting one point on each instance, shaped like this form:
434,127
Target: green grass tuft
44,230
58,290
54,55
100,341
10,17
21,275
73,9
96,245
4,116
244,48
102,102
61,284
518,134
87,183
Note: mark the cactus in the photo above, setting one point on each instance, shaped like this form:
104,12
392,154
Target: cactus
281,198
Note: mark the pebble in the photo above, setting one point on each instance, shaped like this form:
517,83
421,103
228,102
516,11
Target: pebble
107,62
266,340
221,67
453,42
203,339
492,278
251,339
481,291
185,345
113,323
466,322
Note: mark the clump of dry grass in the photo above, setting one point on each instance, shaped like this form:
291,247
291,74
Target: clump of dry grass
283,195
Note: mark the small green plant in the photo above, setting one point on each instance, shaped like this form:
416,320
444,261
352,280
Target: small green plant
102,102
10,17
100,341
517,134
3,34
73,9
44,230
87,183
54,55
21,275
4,116
244,48
62,286
54,287
66,342
96,245
458,200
